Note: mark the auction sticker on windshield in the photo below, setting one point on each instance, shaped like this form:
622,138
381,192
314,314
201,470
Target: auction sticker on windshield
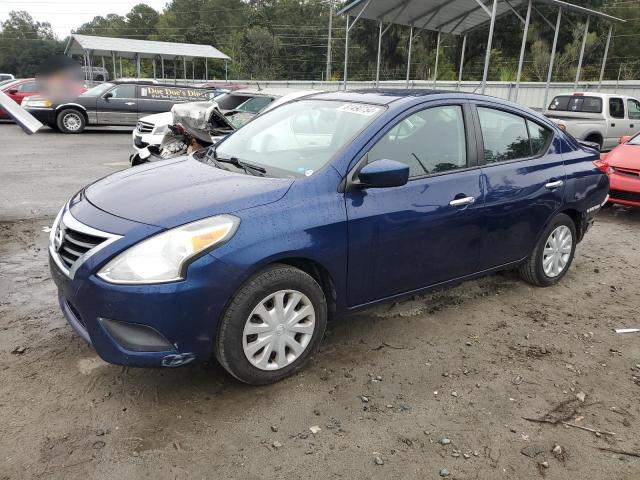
359,108
171,93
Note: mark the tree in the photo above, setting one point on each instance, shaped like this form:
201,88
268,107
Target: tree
24,43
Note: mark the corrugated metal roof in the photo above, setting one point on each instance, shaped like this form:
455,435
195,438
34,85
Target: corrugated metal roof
127,48
449,16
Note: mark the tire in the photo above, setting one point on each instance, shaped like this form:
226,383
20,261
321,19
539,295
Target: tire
71,120
236,347
532,270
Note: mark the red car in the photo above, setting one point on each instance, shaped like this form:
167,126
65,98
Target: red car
17,90
622,164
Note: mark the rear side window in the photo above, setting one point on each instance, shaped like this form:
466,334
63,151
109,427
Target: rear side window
616,108
540,138
510,137
124,91
633,107
28,87
430,141
576,103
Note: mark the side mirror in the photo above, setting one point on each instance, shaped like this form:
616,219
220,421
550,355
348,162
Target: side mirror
383,174
108,95
624,139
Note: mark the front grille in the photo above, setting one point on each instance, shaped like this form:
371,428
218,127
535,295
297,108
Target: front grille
72,244
627,171
622,195
144,127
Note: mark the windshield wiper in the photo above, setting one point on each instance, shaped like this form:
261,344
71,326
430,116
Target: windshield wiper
212,156
247,167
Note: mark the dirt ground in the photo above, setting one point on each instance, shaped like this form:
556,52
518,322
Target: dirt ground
441,381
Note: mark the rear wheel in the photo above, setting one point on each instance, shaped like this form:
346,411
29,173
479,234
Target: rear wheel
553,254
71,120
273,325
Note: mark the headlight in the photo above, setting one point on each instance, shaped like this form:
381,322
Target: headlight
37,103
161,130
164,257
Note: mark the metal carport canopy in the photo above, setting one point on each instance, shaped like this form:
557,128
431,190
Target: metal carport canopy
449,16
458,17
127,48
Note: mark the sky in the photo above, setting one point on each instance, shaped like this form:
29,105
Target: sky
65,15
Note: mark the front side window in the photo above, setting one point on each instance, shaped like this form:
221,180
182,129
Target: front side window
124,91
616,108
504,135
28,87
633,107
429,142
298,138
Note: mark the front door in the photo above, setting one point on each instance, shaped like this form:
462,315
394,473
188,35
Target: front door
523,176
118,106
427,231
618,123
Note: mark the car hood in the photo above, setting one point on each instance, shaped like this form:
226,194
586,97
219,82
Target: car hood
177,191
163,118
625,156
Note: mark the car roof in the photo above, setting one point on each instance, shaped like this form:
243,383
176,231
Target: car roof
378,96
591,94
154,83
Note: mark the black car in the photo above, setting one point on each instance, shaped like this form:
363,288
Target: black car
112,103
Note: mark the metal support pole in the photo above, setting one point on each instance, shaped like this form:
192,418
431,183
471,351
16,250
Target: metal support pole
86,66
138,65
409,56
120,60
90,68
184,67
113,59
193,69
175,70
487,57
464,46
379,53
604,59
553,58
523,48
162,66
154,68
206,68
435,68
584,45
103,67
226,71
346,52
328,75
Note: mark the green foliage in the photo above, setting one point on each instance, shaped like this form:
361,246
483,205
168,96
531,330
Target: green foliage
288,39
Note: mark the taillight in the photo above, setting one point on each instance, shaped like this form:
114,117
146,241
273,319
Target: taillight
603,166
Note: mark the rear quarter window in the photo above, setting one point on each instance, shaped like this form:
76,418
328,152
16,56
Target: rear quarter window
576,103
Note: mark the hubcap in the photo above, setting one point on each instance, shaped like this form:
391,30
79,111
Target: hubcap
557,251
71,121
278,330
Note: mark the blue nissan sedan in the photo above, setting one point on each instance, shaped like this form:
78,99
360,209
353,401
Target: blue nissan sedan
324,205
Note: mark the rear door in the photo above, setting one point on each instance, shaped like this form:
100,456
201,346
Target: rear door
618,124
523,176
427,231
118,106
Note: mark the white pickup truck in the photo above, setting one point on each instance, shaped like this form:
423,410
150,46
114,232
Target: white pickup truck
595,117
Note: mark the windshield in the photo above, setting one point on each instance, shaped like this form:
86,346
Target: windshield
298,138
97,90
576,103
634,141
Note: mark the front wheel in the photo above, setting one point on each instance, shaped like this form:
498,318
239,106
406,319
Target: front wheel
273,325
553,254
71,121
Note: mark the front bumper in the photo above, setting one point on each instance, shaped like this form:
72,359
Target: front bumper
185,313
624,189
142,140
44,115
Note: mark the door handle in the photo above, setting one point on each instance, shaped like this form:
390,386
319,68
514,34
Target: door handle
129,103
461,202
554,185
